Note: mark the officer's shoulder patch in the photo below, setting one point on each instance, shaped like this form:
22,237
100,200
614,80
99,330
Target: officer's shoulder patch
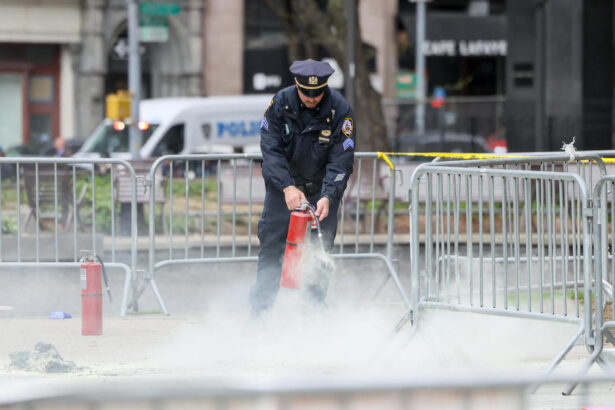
347,127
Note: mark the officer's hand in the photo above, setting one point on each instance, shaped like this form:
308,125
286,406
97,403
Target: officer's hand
322,208
293,197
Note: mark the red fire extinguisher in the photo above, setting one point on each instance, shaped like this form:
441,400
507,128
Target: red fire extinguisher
297,238
91,293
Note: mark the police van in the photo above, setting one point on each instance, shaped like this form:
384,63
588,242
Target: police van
184,125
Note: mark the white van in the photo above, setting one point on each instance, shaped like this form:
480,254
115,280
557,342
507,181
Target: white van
185,125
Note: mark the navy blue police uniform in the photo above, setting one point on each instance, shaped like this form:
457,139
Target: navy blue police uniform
310,148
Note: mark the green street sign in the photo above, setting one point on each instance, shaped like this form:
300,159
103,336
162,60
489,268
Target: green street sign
153,21
159,9
150,34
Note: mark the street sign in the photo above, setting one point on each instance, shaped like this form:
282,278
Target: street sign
159,9
119,50
153,34
153,21
405,84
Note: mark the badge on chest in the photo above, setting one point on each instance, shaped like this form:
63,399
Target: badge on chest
324,137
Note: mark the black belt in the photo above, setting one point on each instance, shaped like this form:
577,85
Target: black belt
310,188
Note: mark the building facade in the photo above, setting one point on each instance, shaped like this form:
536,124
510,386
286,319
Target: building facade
60,58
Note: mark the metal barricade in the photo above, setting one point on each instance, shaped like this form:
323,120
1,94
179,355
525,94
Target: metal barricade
347,391
599,324
215,191
68,210
526,254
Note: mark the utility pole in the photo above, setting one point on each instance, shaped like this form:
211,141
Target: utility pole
419,119
134,76
541,138
351,10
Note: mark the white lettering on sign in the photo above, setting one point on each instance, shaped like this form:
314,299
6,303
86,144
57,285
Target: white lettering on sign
483,48
261,81
239,128
466,48
439,48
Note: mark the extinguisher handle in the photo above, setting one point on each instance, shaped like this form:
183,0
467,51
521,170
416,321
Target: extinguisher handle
304,205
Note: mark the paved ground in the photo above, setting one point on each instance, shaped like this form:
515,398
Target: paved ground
209,336
194,346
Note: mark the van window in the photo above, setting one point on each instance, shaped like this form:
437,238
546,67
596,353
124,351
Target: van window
172,142
206,128
113,137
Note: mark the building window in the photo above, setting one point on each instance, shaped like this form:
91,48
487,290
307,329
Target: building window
40,128
40,89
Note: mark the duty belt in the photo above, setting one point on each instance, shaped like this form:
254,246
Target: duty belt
310,188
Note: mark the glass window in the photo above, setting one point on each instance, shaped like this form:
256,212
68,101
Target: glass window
10,110
40,53
40,88
40,128
172,142
206,128
116,138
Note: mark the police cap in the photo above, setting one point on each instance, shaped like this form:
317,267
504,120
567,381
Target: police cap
311,76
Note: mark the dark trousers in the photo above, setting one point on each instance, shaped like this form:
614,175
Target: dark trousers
272,232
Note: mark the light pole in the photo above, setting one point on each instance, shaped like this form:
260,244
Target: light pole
134,76
419,119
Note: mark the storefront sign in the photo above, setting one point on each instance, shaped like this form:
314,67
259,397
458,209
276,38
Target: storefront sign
465,48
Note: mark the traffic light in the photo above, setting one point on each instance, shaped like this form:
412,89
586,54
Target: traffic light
118,105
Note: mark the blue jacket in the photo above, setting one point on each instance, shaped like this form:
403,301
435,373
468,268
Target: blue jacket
301,145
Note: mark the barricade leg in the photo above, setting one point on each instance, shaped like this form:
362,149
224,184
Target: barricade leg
127,292
558,359
148,282
584,369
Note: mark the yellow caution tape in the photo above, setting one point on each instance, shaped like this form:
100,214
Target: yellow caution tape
459,155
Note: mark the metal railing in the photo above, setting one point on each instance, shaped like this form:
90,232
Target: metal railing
505,236
210,213
598,326
382,391
60,195
522,250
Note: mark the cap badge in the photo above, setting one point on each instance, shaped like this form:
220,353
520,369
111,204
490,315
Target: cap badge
313,80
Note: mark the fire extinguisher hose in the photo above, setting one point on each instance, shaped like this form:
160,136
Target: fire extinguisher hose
106,279
313,212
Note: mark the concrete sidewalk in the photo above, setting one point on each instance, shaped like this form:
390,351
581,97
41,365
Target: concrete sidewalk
295,347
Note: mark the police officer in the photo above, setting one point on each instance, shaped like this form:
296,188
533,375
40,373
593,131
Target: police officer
307,142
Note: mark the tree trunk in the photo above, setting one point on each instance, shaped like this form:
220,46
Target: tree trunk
314,26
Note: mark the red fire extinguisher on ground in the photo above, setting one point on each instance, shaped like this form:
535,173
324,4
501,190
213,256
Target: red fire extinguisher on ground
297,238
91,293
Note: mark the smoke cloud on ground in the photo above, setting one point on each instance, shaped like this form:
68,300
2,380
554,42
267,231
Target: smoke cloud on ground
297,340
354,333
